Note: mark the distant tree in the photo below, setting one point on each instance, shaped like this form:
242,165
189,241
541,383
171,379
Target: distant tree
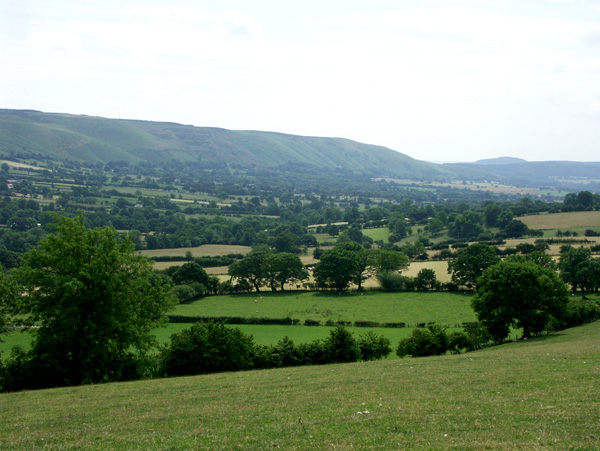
519,293
387,260
190,272
337,268
282,267
426,280
578,269
94,303
466,226
515,229
470,263
250,269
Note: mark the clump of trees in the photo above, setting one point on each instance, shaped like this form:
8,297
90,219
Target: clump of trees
213,347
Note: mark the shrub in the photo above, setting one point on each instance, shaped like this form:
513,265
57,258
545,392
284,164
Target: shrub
207,348
424,342
373,346
390,281
184,293
581,311
341,346
457,341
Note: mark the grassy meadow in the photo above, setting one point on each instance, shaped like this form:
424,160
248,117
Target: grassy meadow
538,394
565,221
408,307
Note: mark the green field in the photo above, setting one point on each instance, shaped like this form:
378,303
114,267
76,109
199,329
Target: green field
408,307
539,394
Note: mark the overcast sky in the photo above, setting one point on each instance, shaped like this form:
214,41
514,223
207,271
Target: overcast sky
437,80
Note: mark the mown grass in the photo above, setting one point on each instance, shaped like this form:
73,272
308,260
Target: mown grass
539,394
408,307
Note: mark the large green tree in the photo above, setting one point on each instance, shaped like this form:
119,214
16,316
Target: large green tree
282,267
92,303
470,263
578,269
337,268
8,295
519,293
250,269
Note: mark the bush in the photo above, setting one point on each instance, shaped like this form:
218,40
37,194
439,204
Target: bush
581,311
341,346
184,293
390,281
373,346
207,348
424,342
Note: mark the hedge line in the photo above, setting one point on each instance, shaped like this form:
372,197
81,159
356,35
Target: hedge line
283,321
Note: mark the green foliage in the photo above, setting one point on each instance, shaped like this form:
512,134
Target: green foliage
578,269
95,302
283,267
388,260
470,263
426,280
190,272
424,342
373,346
341,346
207,348
337,269
521,294
390,281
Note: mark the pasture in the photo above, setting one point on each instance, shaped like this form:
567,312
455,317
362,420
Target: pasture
538,394
407,307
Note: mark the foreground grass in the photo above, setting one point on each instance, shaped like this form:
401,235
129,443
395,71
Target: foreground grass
539,394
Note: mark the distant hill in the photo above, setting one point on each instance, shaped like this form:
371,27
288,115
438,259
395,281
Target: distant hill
570,175
27,134
501,160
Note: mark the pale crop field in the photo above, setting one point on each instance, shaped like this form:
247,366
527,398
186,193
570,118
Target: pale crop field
564,221
206,250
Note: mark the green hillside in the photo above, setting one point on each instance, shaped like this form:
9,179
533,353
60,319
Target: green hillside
538,394
30,134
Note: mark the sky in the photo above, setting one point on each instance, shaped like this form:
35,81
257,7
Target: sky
438,80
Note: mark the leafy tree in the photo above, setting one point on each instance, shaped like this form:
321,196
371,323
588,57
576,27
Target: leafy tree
515,229
386,260
8,296
282,267
426,280
470,263
337,268
361,257
579,270
190,272
466,226
519,293
250,269
94,302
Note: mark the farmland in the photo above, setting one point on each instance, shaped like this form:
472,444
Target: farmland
539,394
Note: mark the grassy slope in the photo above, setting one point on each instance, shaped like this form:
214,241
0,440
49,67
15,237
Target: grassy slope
539,394
98,139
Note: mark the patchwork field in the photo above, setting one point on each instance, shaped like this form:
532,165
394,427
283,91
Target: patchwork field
570,220
539,394
206,250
